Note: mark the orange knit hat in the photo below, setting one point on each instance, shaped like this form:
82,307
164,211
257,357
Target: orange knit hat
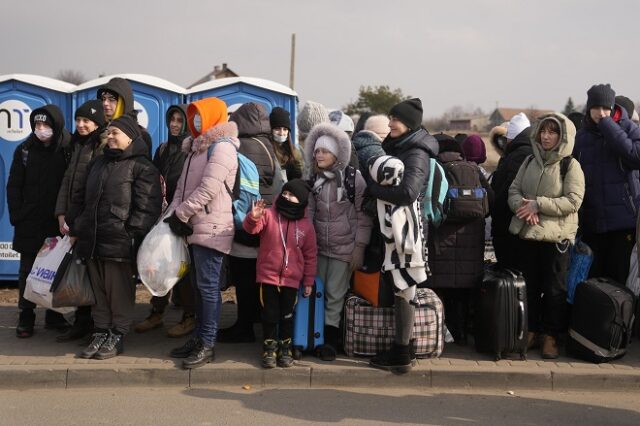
212,111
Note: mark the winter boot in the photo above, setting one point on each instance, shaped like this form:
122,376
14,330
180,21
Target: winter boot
397,359
285,356
26,321
55,321
97,340
328,351
269,348
112,347
185,350
82,326
200,356
184,327
154,320
549,347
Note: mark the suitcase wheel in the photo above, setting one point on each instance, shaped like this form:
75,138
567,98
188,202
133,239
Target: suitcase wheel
297,353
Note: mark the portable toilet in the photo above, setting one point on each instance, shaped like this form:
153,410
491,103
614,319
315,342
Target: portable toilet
19,95
152,97
235,91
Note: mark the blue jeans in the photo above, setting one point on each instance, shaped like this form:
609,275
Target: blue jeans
206,265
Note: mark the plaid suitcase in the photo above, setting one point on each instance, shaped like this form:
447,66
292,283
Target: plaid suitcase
369,330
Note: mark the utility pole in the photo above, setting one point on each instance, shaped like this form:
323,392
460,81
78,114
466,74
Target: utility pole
293,60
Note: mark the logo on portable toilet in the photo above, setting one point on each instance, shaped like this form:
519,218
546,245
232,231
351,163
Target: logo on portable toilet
14,120
143,117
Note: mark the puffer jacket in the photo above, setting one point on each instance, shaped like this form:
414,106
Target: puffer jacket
201,197
33,184
515,153
609,154
70,195
340,225
558,200
367,145
169,157
288,249
122,201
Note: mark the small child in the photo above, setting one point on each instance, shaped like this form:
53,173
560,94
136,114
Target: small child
404,259
287,257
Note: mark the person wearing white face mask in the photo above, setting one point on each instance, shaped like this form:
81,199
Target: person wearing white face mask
36,173
287,154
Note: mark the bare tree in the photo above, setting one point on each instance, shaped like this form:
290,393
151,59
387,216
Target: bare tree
71,76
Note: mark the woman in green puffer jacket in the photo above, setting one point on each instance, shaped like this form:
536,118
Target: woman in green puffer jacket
545,197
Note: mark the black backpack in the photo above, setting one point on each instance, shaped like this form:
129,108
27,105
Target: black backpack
466,198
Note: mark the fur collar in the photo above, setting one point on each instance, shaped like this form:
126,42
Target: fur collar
202,142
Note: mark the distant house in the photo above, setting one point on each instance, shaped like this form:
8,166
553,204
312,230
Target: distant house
500,115
474,124
217,73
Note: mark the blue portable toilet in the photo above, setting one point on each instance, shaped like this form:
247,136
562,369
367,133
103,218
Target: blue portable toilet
235,91
152,97
19,95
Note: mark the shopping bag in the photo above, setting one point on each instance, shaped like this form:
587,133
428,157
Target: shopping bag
580,260
163,259
74,288
43,273
633,280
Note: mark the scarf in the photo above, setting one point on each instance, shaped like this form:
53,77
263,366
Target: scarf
292,211
323,176
112,153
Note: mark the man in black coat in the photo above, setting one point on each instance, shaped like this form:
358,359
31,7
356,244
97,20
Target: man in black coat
34,180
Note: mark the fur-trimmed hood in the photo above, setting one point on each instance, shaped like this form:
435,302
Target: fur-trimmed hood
202,142
341,138
497,137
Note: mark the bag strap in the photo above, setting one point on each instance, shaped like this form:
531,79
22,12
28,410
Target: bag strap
273,167
350,183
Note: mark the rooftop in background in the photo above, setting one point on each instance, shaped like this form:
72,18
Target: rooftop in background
217,73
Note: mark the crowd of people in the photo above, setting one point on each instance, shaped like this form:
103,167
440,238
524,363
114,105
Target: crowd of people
317,215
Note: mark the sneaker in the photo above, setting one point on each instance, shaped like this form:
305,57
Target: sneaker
55,321
154,320
396,359
185,350
285,357
236,334
26,321
112,347
549,347
97,340
269,348
184,327
200,356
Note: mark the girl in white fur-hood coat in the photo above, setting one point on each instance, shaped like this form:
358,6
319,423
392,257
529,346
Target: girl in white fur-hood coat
342,228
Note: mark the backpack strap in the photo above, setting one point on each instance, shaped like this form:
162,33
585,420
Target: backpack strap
350,183
564,166
236,186
273,167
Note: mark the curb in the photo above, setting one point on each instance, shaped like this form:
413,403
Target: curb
238,374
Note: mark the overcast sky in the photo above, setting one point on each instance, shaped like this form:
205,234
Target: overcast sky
458,52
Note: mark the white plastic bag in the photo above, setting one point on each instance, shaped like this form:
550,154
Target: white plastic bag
163,258
633,280
43,272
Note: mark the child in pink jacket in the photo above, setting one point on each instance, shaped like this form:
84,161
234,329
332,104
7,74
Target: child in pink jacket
286,258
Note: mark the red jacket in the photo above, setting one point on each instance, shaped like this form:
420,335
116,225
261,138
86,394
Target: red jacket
276,265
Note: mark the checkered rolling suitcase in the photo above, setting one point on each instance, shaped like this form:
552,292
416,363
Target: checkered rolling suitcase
369,330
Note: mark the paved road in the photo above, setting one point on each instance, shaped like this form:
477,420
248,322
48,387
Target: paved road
284,407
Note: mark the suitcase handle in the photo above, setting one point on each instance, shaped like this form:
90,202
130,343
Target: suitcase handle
521,306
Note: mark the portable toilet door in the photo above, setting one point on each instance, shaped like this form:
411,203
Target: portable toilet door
19,95
152,97
235,91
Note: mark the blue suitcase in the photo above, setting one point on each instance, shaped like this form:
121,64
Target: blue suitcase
308,320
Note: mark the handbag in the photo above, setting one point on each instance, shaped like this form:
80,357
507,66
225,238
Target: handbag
74,288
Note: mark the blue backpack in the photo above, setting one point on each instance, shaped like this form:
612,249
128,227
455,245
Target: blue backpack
437,187
246,189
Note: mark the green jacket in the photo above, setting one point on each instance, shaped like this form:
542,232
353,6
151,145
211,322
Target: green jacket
539,178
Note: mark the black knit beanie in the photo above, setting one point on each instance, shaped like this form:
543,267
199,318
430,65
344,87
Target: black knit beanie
447,143
128,125
280,117
42,115
299,188
93,111
408,112
627,104
601,95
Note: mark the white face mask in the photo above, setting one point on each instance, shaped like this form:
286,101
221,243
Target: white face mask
280,138
44,134
197,122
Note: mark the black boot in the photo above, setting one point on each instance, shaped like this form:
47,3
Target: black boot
185,350
26,321
397,359
285,356
98,338
55,321
328,351
201,355
82,326
269,348
112,347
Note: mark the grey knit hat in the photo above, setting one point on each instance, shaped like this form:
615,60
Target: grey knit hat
312,114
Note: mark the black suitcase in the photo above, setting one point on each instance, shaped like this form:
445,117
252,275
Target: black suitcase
501,313
601,320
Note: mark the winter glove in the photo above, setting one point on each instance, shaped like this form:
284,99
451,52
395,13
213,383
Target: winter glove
357,259
178,227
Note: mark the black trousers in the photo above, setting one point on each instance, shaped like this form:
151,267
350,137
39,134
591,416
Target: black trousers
278,303
506,248
611,253
183,287
243,275
544,266
26,263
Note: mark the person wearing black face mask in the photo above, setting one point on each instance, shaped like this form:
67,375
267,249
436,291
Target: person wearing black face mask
287,154
36,173
286,258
